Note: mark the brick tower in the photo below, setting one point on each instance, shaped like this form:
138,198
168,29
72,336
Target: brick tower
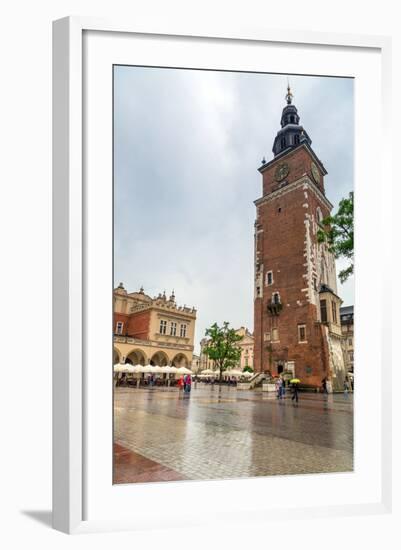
296,307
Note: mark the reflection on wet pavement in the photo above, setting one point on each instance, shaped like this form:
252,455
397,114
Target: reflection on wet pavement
225,433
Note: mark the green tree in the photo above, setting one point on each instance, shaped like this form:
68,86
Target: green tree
222,346
338,232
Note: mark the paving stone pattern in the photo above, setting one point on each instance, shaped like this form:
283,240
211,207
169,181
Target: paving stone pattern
224,433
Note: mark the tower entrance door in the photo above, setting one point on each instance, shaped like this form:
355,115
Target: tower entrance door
280,367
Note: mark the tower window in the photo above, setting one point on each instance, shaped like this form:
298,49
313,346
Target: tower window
296,139
258,291
334,311
301,333
276,298
183,331
119,327
323,311
292,119
283,143
163,327
269,278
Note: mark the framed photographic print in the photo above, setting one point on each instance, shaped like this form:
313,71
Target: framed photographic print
210,295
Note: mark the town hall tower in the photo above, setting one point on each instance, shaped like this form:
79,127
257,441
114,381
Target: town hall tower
296,307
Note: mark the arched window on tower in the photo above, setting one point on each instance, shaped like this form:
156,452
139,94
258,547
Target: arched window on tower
296,139
276,298
283,142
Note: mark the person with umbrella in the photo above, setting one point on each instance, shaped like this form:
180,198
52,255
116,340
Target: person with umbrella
295,382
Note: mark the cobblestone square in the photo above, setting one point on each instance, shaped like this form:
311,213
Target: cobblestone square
161,434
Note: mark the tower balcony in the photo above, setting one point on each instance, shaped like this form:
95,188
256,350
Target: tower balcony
274,306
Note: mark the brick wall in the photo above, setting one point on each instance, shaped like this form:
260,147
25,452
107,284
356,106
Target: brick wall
281,248
136,325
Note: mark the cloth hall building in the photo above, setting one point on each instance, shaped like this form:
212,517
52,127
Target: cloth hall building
152,331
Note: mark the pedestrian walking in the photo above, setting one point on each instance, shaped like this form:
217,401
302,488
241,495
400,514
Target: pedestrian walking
278,385
346,387
324,385
295,392
282,388
188,383
181,382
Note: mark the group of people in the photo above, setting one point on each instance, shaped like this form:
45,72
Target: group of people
185,383
281,389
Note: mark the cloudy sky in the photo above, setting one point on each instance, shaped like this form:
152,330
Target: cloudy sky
187,147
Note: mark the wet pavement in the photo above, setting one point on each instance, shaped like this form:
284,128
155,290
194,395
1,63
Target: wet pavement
161,434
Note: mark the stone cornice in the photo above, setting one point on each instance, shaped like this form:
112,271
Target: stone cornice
305,180
151,343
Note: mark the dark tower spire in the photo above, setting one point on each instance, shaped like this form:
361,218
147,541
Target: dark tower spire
289,95
291,134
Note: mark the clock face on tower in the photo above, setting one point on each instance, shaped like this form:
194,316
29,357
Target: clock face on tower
315,172
282,171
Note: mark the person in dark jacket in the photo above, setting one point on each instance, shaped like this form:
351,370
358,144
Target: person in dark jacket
294,392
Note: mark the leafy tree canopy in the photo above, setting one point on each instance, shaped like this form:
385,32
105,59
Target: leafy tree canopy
338,232
222,346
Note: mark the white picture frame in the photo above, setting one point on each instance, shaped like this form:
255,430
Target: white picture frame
71,339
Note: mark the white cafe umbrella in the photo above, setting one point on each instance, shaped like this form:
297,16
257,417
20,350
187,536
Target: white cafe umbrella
130,369
235,372
137,369
168,370
148,368
207,371
247,374
184,370
120,367
157,369
142,368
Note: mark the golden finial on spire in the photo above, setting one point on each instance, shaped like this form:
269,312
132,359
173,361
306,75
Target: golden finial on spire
289,95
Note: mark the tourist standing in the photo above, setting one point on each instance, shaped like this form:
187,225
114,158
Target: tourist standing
278,385
282,388
188,382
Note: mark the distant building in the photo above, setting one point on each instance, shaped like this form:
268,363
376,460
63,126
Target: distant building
152,330
195,365
246,346
347,329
